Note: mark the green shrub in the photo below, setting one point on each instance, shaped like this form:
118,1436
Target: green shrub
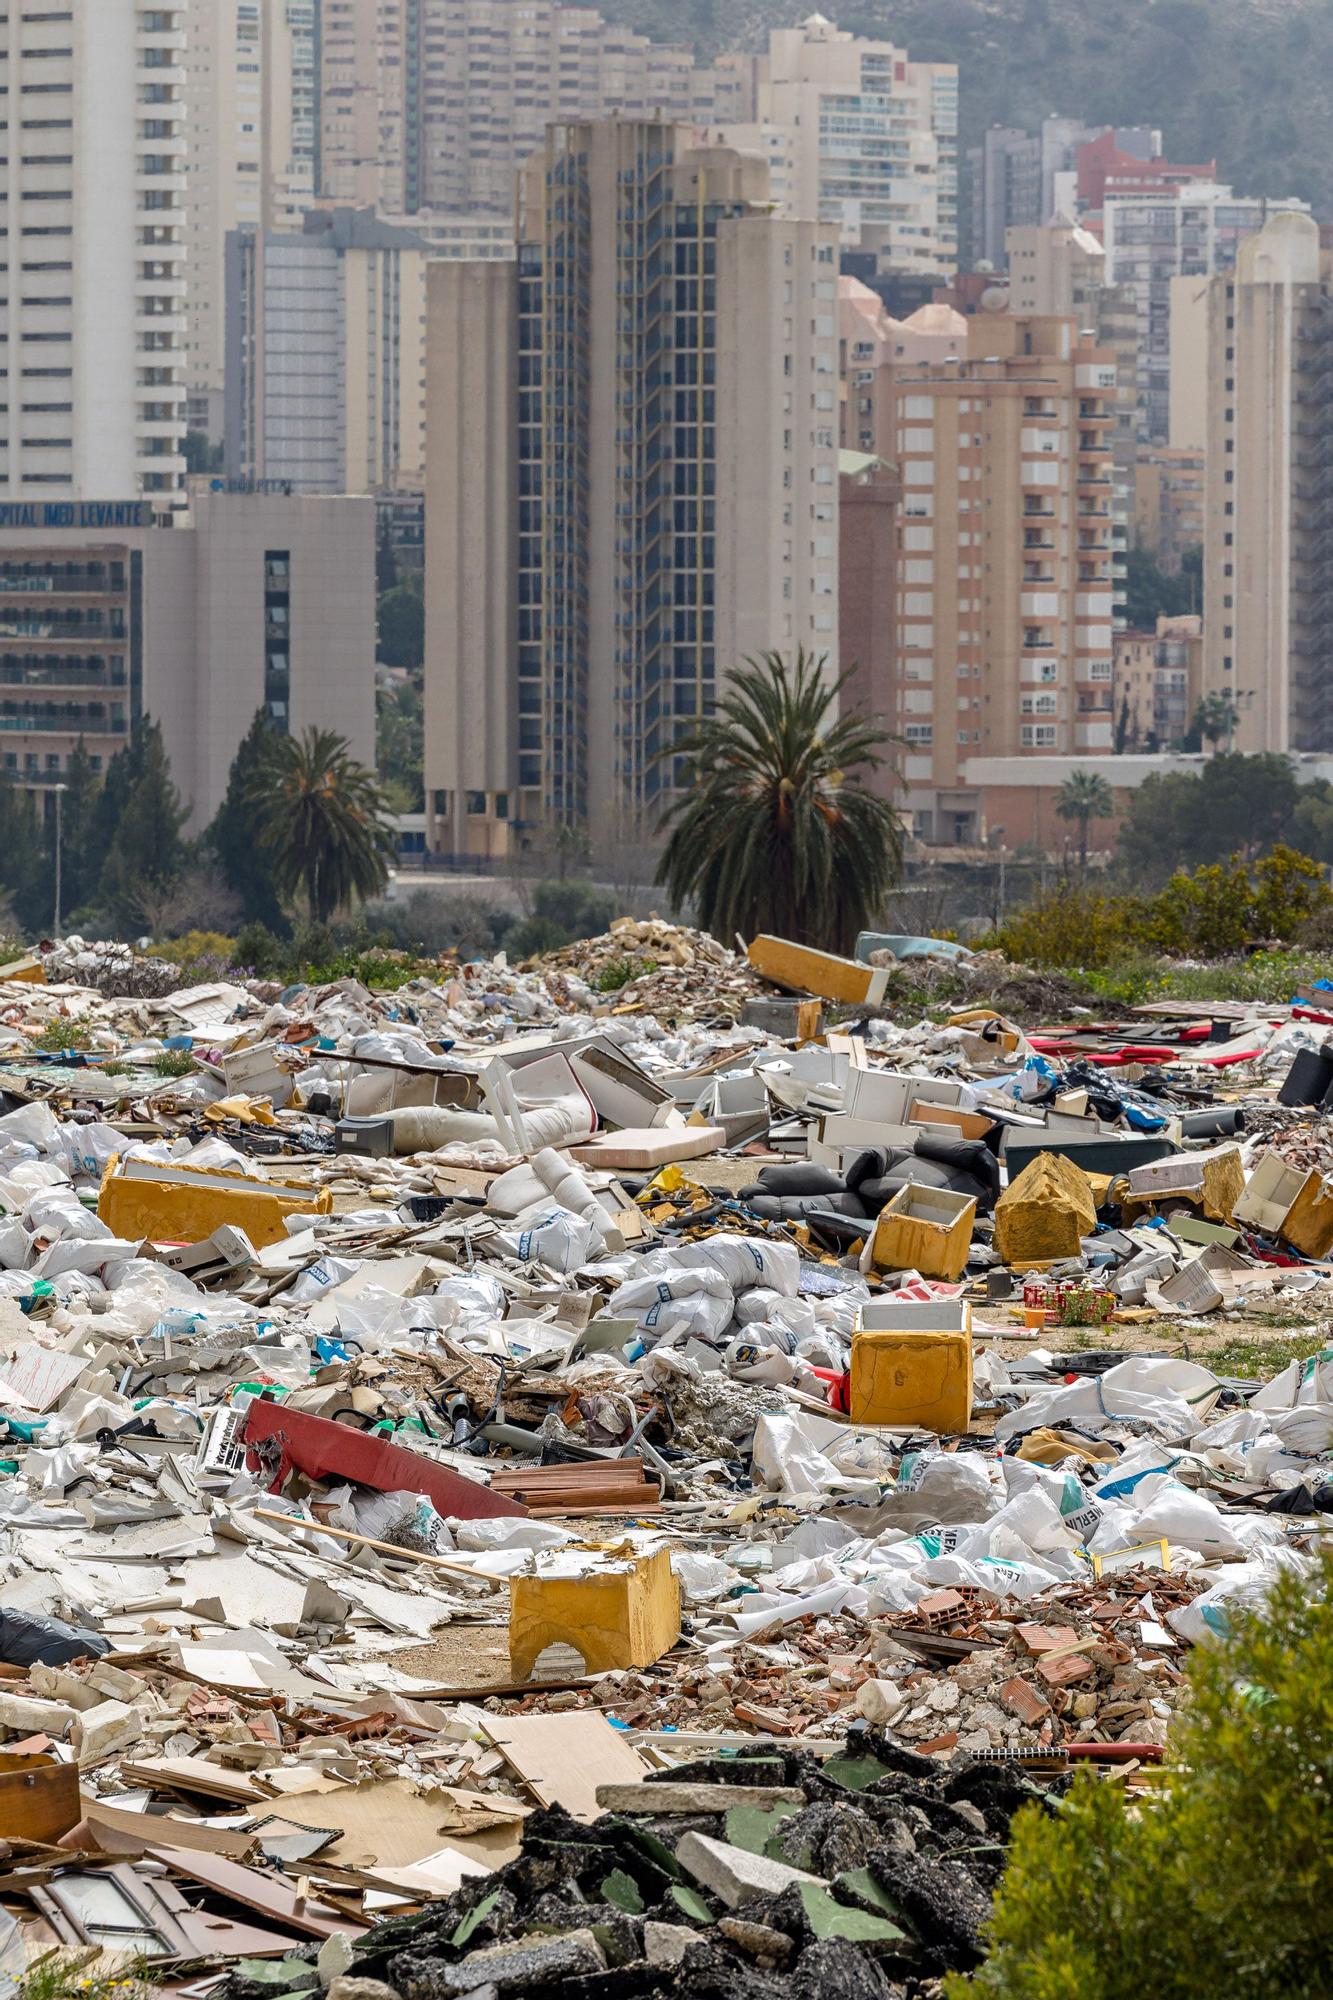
1216,911
196,945
259,951
1221,1887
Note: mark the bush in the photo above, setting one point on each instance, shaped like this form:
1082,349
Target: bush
1220,1888
429,924
562,913
1215,912
196,945
259,951
618,972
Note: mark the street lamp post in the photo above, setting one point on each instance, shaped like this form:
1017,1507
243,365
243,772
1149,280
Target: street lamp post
60,791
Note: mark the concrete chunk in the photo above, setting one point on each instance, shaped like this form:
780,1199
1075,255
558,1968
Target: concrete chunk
668,1798
666,1944
522,1964
732,1875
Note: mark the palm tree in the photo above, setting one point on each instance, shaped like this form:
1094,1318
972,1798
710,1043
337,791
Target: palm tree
1084,795
320,817
773,835
1216,716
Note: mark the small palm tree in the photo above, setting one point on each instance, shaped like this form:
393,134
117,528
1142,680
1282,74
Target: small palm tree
774,835
320,817
1216,716
1084,796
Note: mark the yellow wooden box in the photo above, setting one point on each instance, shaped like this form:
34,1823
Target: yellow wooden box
917,1379
615,1608
925,1229
177,1204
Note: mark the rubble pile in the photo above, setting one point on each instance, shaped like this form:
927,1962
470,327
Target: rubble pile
663,969
872,1871
446,1435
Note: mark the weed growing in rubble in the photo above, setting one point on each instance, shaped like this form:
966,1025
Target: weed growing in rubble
57,1036
618,972
1222,1887
1258,1360
175,1062
61,1975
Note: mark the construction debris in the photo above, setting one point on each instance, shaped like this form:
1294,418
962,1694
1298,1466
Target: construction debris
627,1469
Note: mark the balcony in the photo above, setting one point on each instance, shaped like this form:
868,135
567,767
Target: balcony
57,632
76,720
59,583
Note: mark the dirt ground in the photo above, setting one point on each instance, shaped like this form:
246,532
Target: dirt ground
1254,1345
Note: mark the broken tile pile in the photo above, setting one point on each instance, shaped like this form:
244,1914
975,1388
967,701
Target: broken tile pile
431,1422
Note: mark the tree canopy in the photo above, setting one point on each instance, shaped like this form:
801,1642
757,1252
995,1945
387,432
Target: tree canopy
319,816
777,832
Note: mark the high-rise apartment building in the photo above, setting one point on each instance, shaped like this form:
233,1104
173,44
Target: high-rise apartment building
1006,594
1004,185
877,141
436,104
251,162
93,311
326,355
1119,163
862,137
1020,179
1189,231
1268,554
1060,268
1169,502
244,601
365,52
1158,681
872,347
631,481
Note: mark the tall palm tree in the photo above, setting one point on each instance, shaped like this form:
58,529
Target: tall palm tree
774,835
320,817
1084,796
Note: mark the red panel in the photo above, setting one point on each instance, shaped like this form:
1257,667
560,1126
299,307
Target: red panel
324,1450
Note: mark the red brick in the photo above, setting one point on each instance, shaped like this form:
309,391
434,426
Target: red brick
1028,1703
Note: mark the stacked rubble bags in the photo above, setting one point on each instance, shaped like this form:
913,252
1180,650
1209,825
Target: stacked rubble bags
864,1875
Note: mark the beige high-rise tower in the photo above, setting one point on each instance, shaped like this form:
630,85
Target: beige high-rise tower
251,163
1005,585
862,137
1268,553
93,307
631,481
326,354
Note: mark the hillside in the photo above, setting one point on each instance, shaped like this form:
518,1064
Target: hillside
1246,84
